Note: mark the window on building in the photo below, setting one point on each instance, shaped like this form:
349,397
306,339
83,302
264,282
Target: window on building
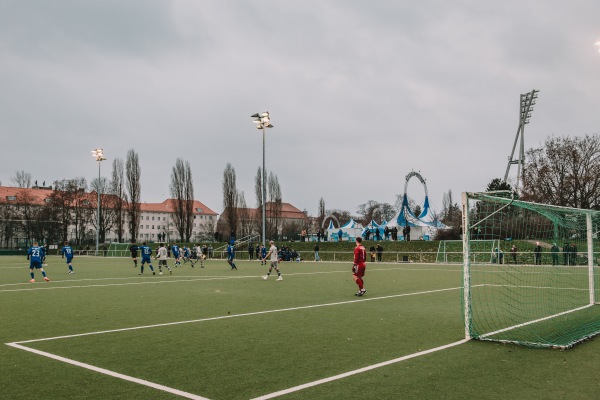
152,226
152,218
11,198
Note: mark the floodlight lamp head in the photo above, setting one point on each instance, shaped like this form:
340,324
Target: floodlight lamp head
255,115
265,114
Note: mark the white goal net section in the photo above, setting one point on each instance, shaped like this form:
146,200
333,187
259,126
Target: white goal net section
537,286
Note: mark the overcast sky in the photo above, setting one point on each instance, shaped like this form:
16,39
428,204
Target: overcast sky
361,93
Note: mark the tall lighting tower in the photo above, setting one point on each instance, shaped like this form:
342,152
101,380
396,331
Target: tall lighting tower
526,107
98,154
263,121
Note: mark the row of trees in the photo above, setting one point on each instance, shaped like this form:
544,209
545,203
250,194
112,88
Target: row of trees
73,204
238,219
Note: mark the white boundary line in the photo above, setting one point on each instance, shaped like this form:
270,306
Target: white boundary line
237,315
110,373
357,371
18,345
176,278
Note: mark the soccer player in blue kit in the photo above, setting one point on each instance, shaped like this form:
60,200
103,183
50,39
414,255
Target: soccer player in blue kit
146,253
35,254
231,256
67,252
176,255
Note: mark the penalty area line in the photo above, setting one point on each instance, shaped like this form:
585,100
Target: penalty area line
357,371
113,374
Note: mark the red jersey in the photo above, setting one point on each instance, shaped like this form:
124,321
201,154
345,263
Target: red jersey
360,256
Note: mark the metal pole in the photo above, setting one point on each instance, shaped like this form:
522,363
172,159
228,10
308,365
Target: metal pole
98,215
264,191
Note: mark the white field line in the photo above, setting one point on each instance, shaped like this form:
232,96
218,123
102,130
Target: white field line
111,373
237,315
357,371
180,278
19,345
535,321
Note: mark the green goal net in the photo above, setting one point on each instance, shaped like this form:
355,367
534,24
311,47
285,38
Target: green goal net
537,285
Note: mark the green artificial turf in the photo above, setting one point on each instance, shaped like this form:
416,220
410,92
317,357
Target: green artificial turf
223,334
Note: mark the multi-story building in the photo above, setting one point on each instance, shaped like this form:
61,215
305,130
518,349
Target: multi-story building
31,213
156,218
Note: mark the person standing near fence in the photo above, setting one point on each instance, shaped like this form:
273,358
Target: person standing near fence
359,266
317,258
513,252
554,251
379,252
250,251
537,253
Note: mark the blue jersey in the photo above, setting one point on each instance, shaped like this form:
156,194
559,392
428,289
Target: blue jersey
36,253
263,252
67,252
175,251
146,252
230,252
186,252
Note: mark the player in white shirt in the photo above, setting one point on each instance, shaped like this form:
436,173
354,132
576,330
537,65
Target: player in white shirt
162,254
274,261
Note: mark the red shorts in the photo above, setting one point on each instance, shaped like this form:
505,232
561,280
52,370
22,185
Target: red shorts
360,271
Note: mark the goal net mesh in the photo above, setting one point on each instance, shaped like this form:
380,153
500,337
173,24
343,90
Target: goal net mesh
537,285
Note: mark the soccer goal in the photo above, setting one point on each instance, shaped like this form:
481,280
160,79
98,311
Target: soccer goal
451,251
540,288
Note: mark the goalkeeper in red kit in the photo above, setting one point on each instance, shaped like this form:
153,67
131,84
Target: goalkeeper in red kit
358,269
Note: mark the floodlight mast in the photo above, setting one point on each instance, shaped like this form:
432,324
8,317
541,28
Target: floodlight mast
263,121
98,154
526,107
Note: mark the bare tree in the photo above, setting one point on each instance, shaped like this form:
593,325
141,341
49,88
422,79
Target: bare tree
275,204
322,213
244,216
120,200
182,191
134,190
230,198
63,200
565,171
107,209
21,179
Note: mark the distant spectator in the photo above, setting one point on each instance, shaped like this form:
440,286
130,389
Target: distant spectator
379,252
372,251
317,258
554,251
573,254
537,254
513,253
340,234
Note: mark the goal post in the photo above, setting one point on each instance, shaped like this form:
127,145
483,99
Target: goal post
540,287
